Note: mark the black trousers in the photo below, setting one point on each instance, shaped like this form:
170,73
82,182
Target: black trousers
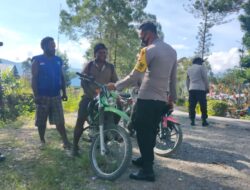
197,96
147,118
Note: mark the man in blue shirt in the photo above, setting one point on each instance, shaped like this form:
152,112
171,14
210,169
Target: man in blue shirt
47,82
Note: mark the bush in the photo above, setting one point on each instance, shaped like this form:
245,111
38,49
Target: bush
180,102
217,108
246,117
16,105
16,97
197,109
214,108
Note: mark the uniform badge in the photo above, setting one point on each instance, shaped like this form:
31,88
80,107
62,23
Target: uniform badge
141,65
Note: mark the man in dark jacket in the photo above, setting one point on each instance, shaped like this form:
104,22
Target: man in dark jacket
103,72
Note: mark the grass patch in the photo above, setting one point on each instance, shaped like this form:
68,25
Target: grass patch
27,167
74,97
19,122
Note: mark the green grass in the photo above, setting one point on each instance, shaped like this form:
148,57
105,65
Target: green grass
16,123
28,168
74,97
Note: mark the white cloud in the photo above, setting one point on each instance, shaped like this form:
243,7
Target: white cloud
221,61
75,52
7,35
18,47
19,53
180,46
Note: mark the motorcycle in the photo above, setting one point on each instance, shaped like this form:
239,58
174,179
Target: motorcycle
169,136
111,149
169,133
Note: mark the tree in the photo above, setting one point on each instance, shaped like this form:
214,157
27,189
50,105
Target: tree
183,65
26,66
109,21
245,26
211,13
67,74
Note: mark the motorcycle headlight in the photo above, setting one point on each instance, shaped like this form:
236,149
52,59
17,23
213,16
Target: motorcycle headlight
111,101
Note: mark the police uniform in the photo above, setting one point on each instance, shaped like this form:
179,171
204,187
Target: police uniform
158,63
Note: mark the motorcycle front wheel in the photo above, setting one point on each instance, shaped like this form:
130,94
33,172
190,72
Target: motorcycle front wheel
117,156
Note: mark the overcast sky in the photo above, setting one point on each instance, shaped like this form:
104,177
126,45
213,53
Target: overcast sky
24,23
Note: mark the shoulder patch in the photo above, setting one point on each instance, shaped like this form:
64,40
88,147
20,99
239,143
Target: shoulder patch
141,64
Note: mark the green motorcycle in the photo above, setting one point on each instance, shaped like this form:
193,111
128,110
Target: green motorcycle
111,148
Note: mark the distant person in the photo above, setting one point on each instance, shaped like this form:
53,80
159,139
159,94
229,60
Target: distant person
47,83
2,157
198,87
103,72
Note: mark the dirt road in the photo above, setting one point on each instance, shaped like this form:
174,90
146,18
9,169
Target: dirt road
210,158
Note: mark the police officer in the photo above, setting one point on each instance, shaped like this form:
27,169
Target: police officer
158,61
198,87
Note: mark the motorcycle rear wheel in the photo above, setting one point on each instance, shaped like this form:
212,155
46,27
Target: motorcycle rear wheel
169,141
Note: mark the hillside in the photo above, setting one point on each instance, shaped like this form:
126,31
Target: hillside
74,82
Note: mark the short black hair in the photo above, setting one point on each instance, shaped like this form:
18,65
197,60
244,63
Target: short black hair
98,47
148,26
45,41
198,60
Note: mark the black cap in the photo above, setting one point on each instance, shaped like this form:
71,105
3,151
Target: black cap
198,60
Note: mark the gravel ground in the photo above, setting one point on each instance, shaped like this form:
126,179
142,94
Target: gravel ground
210,158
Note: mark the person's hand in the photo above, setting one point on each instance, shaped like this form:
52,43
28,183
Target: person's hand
37,100
64,97
170,103
111,86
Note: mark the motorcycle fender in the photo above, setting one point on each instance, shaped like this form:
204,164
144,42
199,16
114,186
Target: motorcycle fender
171,119
118,112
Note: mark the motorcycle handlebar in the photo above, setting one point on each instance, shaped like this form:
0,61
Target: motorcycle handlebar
91,79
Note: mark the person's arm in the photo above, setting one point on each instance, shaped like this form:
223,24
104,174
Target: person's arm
34,72
114,77
137,73
64,94
205,78
129,80
86,70
172,90
188,82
